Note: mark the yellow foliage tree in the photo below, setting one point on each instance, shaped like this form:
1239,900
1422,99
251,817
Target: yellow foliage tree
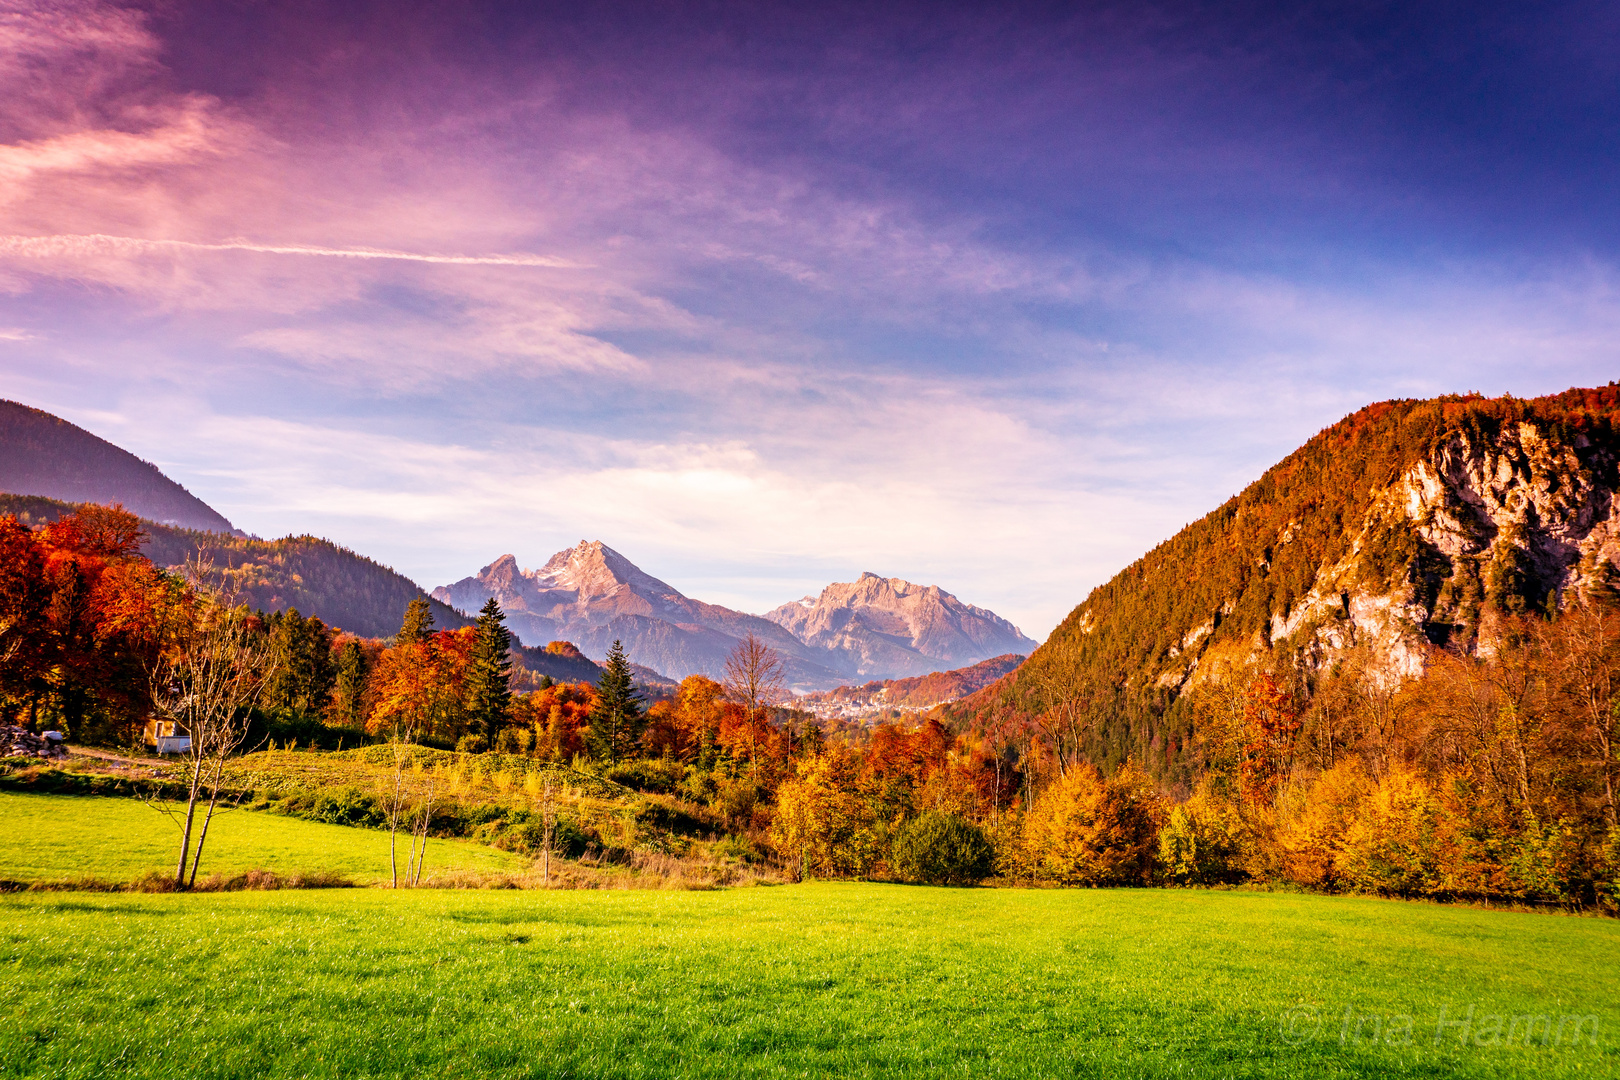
1085,830
821,822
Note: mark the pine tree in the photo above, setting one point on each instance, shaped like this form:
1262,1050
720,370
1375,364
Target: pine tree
616,719
349,701
489,691
418,623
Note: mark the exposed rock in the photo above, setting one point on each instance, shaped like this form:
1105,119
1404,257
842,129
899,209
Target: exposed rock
20,742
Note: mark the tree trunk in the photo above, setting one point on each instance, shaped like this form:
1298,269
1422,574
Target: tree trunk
202,837
185,830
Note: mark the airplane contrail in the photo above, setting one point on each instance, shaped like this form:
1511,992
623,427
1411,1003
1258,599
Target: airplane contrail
83,244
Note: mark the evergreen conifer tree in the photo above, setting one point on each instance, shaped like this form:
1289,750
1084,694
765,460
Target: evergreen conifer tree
418,623
349,699
489,691
616,720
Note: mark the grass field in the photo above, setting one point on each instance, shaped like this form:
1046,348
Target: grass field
806,980
64,838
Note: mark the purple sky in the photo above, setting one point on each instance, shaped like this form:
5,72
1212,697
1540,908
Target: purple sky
763,300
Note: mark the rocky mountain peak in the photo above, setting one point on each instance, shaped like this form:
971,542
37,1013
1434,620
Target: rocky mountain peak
892,625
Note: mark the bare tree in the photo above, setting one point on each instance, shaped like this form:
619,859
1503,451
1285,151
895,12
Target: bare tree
1057,673
206,685
755,678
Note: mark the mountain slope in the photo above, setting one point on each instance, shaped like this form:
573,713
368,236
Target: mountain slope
41,454
315,576
1407,525
914,694
592,595
890,628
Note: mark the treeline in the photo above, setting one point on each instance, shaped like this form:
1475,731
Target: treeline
1492,776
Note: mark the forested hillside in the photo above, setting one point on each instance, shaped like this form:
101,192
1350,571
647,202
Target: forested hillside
315,576
42,454
910,695
1406,526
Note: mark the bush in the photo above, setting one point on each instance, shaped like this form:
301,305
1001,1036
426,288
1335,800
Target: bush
653,816
472,744
699,786
334,806
740,848
941,849
657,775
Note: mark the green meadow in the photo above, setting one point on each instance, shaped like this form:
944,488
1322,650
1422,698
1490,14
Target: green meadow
56,838
804,980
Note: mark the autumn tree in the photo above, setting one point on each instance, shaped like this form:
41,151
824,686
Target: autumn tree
1270,726
616,718
1061,680
755,678
822,824
1087,830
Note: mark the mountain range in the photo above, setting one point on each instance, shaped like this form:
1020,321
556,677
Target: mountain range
589,596
882,627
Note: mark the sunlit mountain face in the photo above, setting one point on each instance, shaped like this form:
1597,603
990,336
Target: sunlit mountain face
772,294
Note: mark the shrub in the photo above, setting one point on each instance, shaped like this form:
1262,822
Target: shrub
653,816
740,848
656,775
941,849
472,744
699,786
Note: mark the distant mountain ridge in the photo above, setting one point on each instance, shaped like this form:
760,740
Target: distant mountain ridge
42,454
592,595
890,628
914,694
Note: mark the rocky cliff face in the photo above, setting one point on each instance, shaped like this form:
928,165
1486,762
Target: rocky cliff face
1494,522
889,628
592,595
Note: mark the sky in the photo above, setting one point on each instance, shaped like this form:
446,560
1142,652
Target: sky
768,295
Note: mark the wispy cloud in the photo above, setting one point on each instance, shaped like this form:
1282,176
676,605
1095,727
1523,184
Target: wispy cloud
45,247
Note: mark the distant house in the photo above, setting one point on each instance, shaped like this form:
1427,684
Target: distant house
165,736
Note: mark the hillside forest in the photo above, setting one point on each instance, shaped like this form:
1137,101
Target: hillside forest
1491,775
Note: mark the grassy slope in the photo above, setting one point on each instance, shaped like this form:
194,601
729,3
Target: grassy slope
801,980
59,838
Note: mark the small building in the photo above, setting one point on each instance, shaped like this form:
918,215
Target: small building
165,736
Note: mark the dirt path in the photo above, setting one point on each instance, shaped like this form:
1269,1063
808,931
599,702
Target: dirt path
117,761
